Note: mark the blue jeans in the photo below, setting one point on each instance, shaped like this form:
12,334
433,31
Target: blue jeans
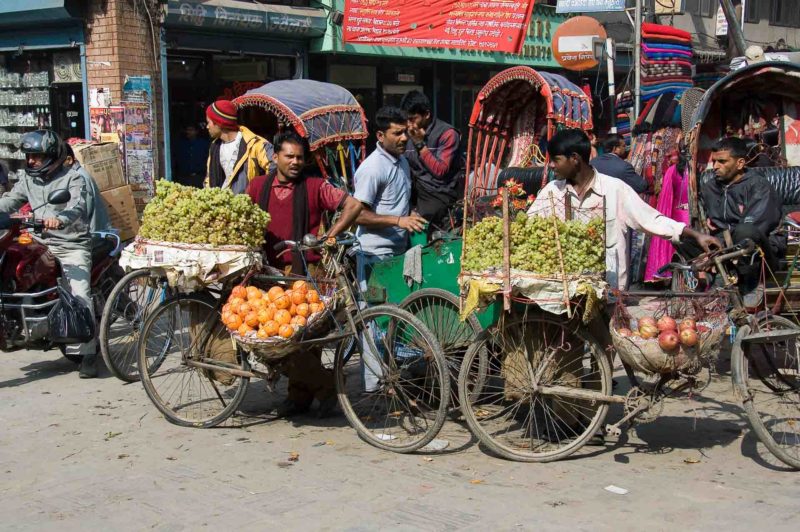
372,368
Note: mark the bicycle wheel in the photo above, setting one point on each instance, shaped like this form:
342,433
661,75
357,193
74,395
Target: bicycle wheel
542,395
438,310
393,387
767,376
125,310
181,331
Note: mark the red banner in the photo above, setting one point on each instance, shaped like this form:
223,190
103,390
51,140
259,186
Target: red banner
488,25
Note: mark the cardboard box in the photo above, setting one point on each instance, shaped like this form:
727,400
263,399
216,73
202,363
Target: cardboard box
103,162
122,211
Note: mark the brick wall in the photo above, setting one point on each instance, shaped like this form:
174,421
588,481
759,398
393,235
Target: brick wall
119,44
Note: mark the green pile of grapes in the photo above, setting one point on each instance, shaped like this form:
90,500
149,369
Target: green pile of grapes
203,216
533,245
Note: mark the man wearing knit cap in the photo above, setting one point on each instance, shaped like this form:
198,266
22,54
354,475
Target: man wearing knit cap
237,155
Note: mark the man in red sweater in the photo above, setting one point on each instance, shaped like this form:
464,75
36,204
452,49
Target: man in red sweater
297,205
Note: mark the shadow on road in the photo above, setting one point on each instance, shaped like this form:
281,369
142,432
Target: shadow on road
42,370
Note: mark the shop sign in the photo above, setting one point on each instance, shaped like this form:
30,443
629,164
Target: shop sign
589,6
487,25
209,15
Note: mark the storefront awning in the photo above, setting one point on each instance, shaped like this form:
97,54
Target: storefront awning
233,16
38,12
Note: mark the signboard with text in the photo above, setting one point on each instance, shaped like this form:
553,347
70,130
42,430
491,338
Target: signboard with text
488,25
589,6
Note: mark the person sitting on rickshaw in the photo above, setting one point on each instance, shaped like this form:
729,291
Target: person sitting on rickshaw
745,206
297,204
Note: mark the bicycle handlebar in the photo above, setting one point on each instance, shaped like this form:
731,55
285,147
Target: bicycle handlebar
311,242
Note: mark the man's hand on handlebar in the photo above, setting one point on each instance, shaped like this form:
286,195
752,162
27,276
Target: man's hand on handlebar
708,242
51,223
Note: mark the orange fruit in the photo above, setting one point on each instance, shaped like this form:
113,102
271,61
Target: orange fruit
315,307
244,329
303,310
282,302
235,303
234,322
293,309
264,316
251,319
225,316
271,327
300,285
258,304
262,333
298,297
274,293
269,312
244,309
239,291
253,293
226,308
312,296
286,331
283,317
299,321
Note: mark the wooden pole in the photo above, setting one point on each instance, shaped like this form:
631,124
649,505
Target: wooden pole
735,33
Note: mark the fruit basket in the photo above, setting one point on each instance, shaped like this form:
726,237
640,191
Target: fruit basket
534,250
272,324
669,333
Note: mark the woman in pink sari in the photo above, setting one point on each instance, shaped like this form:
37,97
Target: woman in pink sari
673,201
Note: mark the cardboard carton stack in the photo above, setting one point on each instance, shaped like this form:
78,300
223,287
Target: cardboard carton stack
102,161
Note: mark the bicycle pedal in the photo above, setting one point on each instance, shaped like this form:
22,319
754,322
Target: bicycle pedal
611,430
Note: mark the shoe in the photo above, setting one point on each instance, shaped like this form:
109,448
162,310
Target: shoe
754,297
88,369
290,409
327,407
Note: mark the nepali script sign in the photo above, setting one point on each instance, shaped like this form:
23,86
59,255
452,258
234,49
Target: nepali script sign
589,6
488,25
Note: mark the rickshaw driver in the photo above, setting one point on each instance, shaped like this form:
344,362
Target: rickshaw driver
296,204
746,206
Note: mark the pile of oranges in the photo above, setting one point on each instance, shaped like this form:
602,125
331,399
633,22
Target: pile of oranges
251,311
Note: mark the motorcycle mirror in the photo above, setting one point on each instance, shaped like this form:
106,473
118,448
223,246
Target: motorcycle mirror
59,197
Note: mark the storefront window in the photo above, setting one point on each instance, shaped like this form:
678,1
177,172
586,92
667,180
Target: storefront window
38,90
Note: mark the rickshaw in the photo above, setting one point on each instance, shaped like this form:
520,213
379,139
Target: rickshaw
514,114
334,124
537,386
761,103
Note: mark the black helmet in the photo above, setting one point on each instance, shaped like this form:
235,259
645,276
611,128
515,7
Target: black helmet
49,144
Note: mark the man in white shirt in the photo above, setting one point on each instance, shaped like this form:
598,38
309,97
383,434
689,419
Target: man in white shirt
589,192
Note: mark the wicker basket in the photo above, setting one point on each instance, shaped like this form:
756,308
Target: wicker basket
274,349
646,355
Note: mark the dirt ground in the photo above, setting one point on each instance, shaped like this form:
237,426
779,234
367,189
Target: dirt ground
91,455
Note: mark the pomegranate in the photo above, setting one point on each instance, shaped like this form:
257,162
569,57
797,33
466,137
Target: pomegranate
689,337
624,332
687,323
666,323
648,331
668,340
647,322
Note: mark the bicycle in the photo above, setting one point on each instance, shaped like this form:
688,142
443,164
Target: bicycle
198,381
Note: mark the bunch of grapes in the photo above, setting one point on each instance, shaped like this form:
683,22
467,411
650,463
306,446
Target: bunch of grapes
533,245
203,216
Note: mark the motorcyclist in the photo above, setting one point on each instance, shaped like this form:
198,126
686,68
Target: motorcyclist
67,232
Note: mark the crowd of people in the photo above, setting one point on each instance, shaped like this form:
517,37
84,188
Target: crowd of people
408,184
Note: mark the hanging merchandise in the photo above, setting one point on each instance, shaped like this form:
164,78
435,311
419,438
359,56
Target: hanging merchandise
667,60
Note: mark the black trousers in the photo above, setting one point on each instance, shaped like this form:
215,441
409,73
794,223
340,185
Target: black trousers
749,273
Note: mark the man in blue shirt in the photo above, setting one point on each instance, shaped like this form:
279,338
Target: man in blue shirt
383,186
191,153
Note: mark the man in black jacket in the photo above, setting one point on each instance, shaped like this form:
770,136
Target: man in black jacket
747,206
612,163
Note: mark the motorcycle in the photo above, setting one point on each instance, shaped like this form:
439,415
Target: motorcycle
30,277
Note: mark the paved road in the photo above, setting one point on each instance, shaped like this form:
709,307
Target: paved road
91,455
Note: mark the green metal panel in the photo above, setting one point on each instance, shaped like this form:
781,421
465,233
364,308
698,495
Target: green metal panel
37,12
536,52
441,264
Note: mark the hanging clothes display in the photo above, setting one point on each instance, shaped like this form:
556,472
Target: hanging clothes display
673,202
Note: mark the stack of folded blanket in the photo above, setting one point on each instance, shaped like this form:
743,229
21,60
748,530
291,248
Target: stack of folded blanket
666,60
623,119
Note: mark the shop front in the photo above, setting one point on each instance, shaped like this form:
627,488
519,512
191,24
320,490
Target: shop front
220,49
42,74
381,75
